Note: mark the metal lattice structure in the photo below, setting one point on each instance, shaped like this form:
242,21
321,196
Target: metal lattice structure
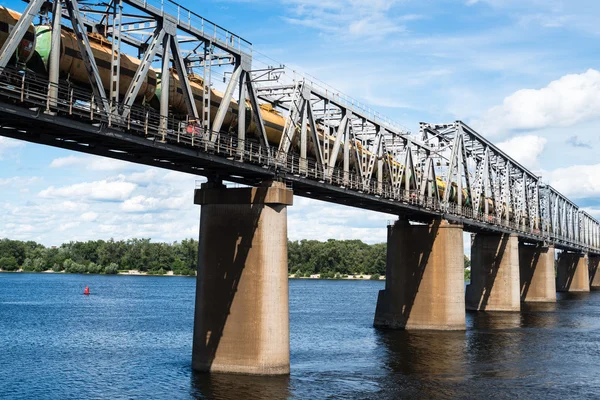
328,146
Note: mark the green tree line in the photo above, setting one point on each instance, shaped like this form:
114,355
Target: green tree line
305,257
101,257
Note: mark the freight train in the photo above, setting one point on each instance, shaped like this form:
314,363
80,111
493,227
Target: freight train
34,51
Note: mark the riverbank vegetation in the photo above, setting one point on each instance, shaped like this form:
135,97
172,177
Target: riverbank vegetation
330,259
341,257
101,257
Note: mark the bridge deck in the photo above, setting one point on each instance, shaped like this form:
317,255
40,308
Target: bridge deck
76,127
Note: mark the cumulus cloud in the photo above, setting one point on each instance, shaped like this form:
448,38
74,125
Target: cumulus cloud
92,163
147,204
69,205
89,216
351,17
18,181
565,102
331,221
577,181
142,178
98,191
7,144
524,149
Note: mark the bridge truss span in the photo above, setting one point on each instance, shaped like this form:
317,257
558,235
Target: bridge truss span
267,124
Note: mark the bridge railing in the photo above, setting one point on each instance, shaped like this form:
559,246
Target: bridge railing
32,91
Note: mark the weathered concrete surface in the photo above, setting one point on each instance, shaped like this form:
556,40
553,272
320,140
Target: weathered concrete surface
424,286
494,273
538,279
572,272
594,262
241,321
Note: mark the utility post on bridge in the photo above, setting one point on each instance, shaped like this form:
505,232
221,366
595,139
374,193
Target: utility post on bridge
241,320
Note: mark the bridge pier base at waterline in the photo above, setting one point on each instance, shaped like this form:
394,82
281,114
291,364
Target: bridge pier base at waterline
594,266
424,286
241,319
572,272
494,273
538,279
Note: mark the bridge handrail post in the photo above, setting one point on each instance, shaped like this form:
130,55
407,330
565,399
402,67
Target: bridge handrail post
48,98
92,102
146,125
23,87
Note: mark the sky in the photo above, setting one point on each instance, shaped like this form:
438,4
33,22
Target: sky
524,73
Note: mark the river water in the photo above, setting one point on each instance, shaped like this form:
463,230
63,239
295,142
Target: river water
132,338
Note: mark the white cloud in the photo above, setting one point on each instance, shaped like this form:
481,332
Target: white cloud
524,149
89,216
577,181
92,163
68,225
142,178
565,102
18,181
146,204
72,206
7,144
99,191
331,221
357,18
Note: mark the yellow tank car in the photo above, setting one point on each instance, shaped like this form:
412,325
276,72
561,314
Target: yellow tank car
73,68
177,102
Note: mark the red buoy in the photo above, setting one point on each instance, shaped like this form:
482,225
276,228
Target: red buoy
86,291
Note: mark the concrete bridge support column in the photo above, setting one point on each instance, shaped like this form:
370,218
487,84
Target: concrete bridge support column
538,280
424,286
241,321
572,272
594,262
494,273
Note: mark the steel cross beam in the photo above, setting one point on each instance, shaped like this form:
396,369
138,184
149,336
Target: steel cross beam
88,56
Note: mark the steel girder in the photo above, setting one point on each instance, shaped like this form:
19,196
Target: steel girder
344,139
485,179
589,230
150,26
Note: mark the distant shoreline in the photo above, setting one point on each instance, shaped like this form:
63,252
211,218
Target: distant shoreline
341,278
170,273
128,273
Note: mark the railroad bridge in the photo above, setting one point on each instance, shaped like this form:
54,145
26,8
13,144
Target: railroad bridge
133,80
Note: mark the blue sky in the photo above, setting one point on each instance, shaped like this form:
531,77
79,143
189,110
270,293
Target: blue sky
524,73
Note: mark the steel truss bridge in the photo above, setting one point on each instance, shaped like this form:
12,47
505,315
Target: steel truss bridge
360,158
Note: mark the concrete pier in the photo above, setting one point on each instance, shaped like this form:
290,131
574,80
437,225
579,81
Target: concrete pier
572,272
494,273
241,321
538,279
594,263
424,286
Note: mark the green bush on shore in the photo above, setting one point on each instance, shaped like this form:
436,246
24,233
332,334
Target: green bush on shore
9,264
111,269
